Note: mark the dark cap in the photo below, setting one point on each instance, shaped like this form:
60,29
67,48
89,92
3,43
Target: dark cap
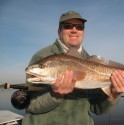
70,15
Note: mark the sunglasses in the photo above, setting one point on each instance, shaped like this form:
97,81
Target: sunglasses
70,26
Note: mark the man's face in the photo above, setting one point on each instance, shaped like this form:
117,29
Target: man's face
73,36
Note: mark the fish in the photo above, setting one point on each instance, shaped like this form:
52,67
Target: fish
90,73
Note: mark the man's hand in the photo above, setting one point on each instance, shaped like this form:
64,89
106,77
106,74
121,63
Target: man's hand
64,83
117,80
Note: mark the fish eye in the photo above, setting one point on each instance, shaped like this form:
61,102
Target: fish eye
41,66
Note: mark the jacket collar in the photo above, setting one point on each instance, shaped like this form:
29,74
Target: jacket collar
57,48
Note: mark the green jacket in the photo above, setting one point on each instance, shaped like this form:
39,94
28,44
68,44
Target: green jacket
73,109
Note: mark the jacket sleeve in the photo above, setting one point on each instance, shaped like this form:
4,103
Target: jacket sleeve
42,102
101,104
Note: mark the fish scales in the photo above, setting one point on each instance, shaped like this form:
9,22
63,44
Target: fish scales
96,67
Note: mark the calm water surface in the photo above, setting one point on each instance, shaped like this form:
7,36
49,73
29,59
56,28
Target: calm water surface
5,101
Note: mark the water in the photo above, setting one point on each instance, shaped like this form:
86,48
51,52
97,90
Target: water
5,101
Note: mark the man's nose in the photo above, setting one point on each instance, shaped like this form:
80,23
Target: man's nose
74,29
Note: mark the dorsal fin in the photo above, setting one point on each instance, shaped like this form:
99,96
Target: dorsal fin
73,51
105,61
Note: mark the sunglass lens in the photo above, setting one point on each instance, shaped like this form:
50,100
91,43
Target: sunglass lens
80,27
70,26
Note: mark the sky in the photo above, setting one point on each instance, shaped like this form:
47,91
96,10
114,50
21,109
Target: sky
27,26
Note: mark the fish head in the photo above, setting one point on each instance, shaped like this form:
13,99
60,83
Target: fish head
40,73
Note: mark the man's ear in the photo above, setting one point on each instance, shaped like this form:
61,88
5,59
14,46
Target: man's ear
59,30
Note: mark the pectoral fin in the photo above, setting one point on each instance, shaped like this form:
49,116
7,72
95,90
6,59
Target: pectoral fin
78,75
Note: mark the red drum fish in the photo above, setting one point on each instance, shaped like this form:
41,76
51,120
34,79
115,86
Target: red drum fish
91,73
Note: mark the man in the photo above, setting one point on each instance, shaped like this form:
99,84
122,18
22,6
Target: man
61,104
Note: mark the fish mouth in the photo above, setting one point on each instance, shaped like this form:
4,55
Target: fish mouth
33,77
36,78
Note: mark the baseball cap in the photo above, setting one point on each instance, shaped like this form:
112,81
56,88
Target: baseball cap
70,15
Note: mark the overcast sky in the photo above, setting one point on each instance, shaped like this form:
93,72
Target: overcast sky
29,25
